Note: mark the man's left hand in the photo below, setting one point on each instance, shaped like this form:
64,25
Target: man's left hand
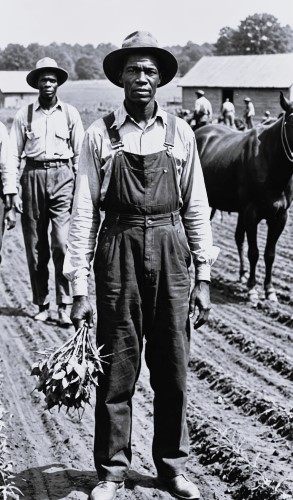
200,297
10,218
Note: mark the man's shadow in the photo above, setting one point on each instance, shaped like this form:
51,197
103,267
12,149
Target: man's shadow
56,481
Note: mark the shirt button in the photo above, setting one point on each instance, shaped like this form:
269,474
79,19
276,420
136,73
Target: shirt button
165,170
150,221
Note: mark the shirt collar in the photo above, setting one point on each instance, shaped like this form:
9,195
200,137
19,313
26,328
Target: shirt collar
121,115
59,105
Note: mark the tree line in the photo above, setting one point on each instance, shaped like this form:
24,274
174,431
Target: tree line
257,34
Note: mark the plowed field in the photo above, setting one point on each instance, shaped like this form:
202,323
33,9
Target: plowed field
240,388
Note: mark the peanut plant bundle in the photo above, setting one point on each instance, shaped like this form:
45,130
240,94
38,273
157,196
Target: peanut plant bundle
68,374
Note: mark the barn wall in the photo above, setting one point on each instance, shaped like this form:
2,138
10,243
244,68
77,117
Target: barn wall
263,99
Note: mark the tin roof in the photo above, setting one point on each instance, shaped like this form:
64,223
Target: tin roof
257,71
14,82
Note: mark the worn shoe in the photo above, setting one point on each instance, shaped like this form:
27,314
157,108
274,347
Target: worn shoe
106,490
181,487
63,318
43,315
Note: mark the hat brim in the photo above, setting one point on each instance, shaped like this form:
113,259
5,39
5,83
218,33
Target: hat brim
33,76
113,63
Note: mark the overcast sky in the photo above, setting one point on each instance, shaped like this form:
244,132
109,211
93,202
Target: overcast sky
102,21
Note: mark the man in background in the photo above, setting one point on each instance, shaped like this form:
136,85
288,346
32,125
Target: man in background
228,113
202,110
249,113
48,134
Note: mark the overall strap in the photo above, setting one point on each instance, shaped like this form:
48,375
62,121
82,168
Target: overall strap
170,131
112,131
30,110
69,123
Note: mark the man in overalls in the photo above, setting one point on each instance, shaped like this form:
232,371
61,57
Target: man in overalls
140,166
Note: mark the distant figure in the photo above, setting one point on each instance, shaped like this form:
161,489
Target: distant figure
267,119
48,134
228,113
249,113
202,110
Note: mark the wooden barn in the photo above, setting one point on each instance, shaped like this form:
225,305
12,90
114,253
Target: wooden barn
260,77
14,90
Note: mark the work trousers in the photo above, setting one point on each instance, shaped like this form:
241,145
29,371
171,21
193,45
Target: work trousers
47,198
142,287
229,119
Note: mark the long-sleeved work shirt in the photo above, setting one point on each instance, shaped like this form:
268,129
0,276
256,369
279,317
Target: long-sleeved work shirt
7,168
50,137
95,167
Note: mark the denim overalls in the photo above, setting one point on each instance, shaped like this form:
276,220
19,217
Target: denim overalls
142,286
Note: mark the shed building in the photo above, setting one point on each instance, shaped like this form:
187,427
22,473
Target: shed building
14,90
259,77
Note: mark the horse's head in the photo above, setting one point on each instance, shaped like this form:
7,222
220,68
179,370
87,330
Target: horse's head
287,126
287,106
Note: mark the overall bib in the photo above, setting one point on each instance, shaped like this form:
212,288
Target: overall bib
142,287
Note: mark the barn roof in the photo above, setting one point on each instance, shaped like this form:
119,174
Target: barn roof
14,82
257,71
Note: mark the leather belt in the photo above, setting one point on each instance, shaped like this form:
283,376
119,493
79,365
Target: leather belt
46,164
143,220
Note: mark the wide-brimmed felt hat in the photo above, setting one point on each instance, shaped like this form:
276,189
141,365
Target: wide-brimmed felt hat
46,64
140,42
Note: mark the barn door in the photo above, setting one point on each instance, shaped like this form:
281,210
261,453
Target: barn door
227,94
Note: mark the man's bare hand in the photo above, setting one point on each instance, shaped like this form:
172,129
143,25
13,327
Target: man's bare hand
10,218
81,312
200,298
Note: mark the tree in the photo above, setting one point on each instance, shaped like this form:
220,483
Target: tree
225,42
15,57
87,68
257,34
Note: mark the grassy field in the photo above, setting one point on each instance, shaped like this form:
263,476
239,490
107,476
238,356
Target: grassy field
97,97
94,98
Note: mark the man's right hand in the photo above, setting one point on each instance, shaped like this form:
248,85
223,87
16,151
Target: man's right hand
81,312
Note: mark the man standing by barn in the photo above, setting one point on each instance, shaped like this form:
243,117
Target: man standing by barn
248,113
228,113
140,165
203,112
48,134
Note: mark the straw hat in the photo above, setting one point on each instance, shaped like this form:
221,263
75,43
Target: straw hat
46,64
140,42
199,92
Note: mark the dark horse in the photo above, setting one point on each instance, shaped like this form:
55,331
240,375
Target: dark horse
251,173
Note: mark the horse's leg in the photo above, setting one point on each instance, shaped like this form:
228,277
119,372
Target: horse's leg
251,221
275,228
239,238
